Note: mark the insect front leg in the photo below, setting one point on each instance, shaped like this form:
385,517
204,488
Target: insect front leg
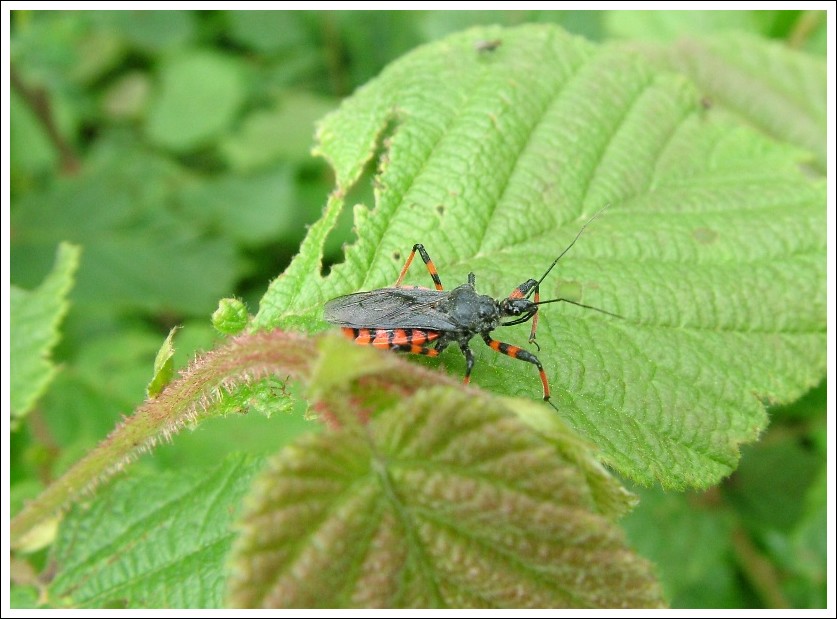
431,268
519,353
522,292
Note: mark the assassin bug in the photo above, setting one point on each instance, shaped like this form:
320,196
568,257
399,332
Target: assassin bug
410,319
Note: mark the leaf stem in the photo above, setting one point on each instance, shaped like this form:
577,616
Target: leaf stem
38,100
805,25
381,469
243,360
758,570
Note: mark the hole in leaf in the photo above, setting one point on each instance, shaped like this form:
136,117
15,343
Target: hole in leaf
362,192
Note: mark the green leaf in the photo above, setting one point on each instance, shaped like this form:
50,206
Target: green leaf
252,429
139,250
152,541
283,132
813,406
670,25
252,208
778,90
30,151
269,32
444,499
150,31
105,380
769,487
797,28
372,39
231,316
35,318
163,366
438,23
804,554
250,361
127,97
713,248
200,93
687,537
23,597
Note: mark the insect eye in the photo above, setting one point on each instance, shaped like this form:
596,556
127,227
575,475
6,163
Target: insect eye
509,308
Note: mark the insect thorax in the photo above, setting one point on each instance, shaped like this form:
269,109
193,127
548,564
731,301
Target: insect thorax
471,311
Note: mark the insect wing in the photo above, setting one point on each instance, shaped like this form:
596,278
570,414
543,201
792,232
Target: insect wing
390,308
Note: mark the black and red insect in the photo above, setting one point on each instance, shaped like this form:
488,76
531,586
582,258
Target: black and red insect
424,321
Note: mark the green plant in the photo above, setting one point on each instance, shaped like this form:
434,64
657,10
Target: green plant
421,492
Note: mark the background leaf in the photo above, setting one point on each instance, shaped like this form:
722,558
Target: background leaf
123,210
35,317
778,90
200,94
284,131
687,537
150,30
669,25
712,249
167,547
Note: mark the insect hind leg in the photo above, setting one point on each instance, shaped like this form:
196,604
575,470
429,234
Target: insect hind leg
416,349
431,268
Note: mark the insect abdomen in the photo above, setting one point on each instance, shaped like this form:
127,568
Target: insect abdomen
390,338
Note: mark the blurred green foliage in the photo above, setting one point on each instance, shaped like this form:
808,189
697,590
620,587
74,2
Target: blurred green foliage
173,147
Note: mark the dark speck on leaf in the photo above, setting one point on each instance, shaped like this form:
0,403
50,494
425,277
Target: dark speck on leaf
705,236
440,208
487,46
396,255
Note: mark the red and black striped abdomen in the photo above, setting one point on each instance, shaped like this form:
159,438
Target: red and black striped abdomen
391,338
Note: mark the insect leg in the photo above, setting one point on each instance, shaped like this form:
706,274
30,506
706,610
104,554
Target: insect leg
416,349
519,353
431,268
535,317
522,292
469,361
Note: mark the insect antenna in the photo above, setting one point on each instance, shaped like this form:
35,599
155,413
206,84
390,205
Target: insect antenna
580,305
551,266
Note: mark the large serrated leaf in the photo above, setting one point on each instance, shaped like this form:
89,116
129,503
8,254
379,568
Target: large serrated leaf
713,248
35,317
152,541
443,500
